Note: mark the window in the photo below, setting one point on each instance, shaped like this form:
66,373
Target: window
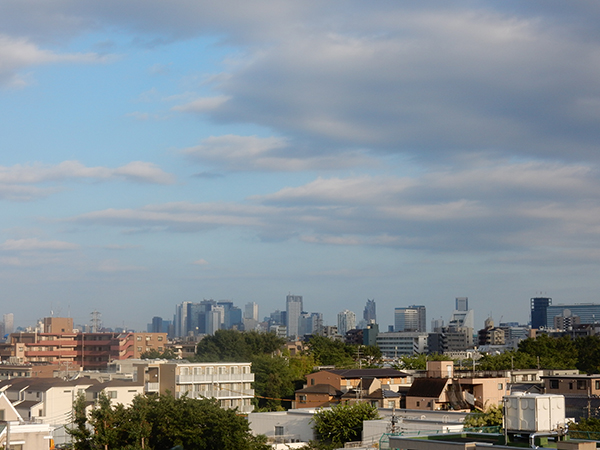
40,413
159,338
500,386
302,398
418,403
312,381
581,384
429,404
571,385
391,404
1,414
112,394
597,384
553,384
279,431
139,349
139,338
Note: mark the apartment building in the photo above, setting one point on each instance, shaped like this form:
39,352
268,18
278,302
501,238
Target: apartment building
229,383
88,350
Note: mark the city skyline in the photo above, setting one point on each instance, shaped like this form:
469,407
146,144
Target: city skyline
156,153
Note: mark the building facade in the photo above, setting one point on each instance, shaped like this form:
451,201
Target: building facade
293,311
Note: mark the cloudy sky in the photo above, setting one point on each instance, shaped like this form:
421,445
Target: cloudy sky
157,152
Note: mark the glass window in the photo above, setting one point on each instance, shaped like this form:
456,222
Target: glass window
553,384
581,384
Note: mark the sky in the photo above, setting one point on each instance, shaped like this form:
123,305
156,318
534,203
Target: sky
158,152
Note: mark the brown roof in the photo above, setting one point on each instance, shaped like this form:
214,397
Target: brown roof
427,387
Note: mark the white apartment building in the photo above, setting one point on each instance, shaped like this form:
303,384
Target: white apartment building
229,383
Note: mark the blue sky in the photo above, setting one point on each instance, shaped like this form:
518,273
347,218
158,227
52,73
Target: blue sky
159,152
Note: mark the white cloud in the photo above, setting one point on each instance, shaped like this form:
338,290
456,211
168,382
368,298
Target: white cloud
501,207
202,105
200,262
35,244
16,182
17,54
253,153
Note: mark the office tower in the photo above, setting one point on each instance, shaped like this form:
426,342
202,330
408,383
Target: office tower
411,318
181,319
157,325
539,308
277,318
251,311
462,303
293,310
346,321
214,319
370,314
227,305
235,317
9,323
305,324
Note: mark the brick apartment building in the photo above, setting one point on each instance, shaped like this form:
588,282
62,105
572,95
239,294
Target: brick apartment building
60,344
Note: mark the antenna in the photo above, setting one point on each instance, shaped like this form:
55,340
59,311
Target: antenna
96,321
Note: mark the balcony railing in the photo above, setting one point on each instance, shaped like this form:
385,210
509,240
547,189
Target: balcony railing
216,378
152,387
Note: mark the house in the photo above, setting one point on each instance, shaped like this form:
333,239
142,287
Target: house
21,435
443,389
330,386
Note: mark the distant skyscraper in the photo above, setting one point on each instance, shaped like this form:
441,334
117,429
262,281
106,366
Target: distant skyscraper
293,310
462,303
251,311
9,323
346,322
370,313
411,318
539,307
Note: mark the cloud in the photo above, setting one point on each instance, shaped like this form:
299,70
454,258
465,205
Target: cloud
16,181
17,54
202,105
34,244
253,153
201,262
499,207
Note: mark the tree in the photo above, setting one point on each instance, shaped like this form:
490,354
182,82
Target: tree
80,433
491,417
343,422
331,352
233,345
155,354
419,362
552,353
164,422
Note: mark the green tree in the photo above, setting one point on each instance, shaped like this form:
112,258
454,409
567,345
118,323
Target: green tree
491,417
552,353
507,361
343,422
588,352
233,345
419,362
80,433
331,352
155,354
162,422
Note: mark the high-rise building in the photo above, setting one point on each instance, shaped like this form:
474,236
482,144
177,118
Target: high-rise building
411,318
9,323
370,312
462,303
346,321
539,308
293,310
251,311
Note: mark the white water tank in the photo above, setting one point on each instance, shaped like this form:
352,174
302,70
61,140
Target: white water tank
533,413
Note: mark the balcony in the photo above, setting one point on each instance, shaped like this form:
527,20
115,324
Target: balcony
216,378
218,394
152,387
